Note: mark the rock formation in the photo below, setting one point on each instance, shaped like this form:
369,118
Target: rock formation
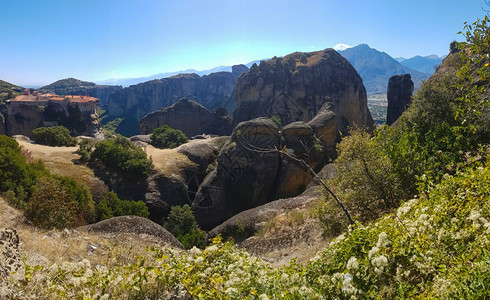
10,259
251,171
211,91
2,124
133,225
400,88
295,87
190,117
21,118
72,86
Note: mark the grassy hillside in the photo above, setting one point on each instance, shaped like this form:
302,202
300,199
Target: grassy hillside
8,90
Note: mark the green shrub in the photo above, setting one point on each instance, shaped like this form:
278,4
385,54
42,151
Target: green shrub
123,158
85,148
110,205
167,137
16,175
53,136
365,179
59,202
182,224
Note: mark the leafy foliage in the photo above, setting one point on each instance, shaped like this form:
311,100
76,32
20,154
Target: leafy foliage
59,202
110,205
435,248
53,136
16,175
182,224
167,137
365,179
123,158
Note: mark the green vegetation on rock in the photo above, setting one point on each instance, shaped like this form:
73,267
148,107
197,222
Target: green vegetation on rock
53,136
182,224
122,158
110,205
167,137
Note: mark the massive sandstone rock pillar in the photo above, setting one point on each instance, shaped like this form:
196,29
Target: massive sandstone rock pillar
400,88
295,87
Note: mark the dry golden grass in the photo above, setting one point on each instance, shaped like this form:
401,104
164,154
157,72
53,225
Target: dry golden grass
169,161
60,161
45,247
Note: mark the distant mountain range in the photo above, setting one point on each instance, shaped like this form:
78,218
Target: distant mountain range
125,82
425,64
376,68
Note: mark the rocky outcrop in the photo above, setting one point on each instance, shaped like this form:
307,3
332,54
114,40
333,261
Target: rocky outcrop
258,164
190,117
72,86
211,91
400,88
21,119
294,88
10,259
238,70
243,178
2,124
133,225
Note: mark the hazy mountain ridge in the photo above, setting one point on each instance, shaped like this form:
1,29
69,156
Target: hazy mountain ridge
425,64
376,68
125,82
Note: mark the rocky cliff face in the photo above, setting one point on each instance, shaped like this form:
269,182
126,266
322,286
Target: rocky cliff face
250,172
400,88
22,119
72,86
190,117
295,87
211,91
2,123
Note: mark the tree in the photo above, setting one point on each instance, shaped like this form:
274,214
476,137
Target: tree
110,205
53,136
59,202
167,137
123,158
182,224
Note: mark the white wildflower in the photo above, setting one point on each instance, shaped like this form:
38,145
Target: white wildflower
199,260
352,263
231,290
336,277
373,251
212,249
347,286
195,251
263,297
382,240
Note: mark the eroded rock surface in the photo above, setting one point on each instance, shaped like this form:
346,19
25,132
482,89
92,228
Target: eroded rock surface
10,259
190,117
258,164
400,88
295,88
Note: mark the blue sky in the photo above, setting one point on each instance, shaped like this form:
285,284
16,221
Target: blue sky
43,41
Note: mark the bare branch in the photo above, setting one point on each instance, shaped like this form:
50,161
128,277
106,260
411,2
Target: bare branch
300,162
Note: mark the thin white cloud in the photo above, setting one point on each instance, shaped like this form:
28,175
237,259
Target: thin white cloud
340,47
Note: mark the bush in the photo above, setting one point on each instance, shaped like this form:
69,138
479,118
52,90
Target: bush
365,179
53,136
182,224
59,202
110,205
123,158
16,175
167,137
